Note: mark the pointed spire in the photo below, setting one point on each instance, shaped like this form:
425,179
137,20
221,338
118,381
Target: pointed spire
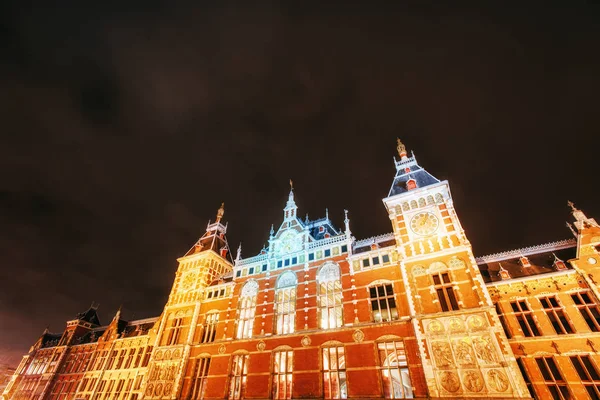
571,228
401,150
347,223
118,314
291,195
220,212
289,212
306,220
327,213
272,231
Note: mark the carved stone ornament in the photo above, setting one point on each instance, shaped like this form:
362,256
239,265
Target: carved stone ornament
176,354
168,389
476,323
305,341
158,390
221,349
484,350
167,355
261,346
442,354
449,381
358,336
473,381
456,325
497,380
418,270
149,390
435,327
464,352
159,355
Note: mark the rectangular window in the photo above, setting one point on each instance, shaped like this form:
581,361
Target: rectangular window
555,313
279,264
201,366
554,380
334,373
210,327
365,263
251,271
385,258
238,273
588,373
282,374
238,378
294,260
526,377
344,248
175,331
525,319
588,308
394,371
445,292
375,260
383,303
502,318
287,262
285,310
147,356
311,256
327,252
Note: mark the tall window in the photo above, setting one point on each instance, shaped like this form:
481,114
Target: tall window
201,366
445,292
394,370
282,374
526,377
330,296
210,327
525,319
588,308
589,375
383,303
285,303
502,319
174,331
247,308
554,379
238,378
555,313
334,373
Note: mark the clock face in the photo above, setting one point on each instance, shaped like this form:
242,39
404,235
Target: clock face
424,223
188,281
288,243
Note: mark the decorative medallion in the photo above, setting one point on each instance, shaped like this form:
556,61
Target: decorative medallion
158,355
472,381
305,341
464,352
176,353
476,323
418,270
167,355
456,263
158,390
435,327
221,349
358,336
261,346
149,390
497,380
449,381
442,354
168,389
456,325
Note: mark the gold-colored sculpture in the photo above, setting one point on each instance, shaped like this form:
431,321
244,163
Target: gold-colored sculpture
401,148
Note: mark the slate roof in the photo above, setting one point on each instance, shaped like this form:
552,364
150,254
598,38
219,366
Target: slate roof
409,169
541,261
314,228
91,316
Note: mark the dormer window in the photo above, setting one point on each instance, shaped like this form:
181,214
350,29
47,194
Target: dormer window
326,235
374,246
407,170
321,229
504,273
524,261
560,265
223,252
411,184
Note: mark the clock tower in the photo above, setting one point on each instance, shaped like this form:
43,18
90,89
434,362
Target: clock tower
463,347
177,326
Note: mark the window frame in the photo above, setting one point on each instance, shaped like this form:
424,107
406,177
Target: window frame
525,318
238,374
556,314
448,300
282,377
586,309
339,373
401,368
388,298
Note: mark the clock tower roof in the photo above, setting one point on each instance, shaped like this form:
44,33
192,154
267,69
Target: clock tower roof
214,238
409,174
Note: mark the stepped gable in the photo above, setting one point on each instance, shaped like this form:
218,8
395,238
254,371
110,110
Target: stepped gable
535,260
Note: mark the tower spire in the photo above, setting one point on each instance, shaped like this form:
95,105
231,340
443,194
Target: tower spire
290,207
401,150
220,212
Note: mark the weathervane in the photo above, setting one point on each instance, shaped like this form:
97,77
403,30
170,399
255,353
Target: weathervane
401,148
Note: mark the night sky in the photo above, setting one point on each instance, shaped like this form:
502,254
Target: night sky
124,127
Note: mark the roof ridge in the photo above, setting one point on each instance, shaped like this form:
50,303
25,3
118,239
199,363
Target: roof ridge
524,251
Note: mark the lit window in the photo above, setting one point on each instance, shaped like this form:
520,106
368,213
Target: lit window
555,313
238,378
554,380
247,309
588,374
201,366
588,308
285,303
334,373
330,296
210,327
174,331
383,304
282,374
394,371
445,292
526,378
525,319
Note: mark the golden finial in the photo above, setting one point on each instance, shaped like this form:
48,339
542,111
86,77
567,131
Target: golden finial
401,148
291,184
220,212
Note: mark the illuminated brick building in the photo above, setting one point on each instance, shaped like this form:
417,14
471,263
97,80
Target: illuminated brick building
318,314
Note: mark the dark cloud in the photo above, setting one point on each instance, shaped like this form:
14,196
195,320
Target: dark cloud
124,126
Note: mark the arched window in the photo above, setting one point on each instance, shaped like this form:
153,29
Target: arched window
283,364
330,296
247,309
285,303
393,367
210,327
334,372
